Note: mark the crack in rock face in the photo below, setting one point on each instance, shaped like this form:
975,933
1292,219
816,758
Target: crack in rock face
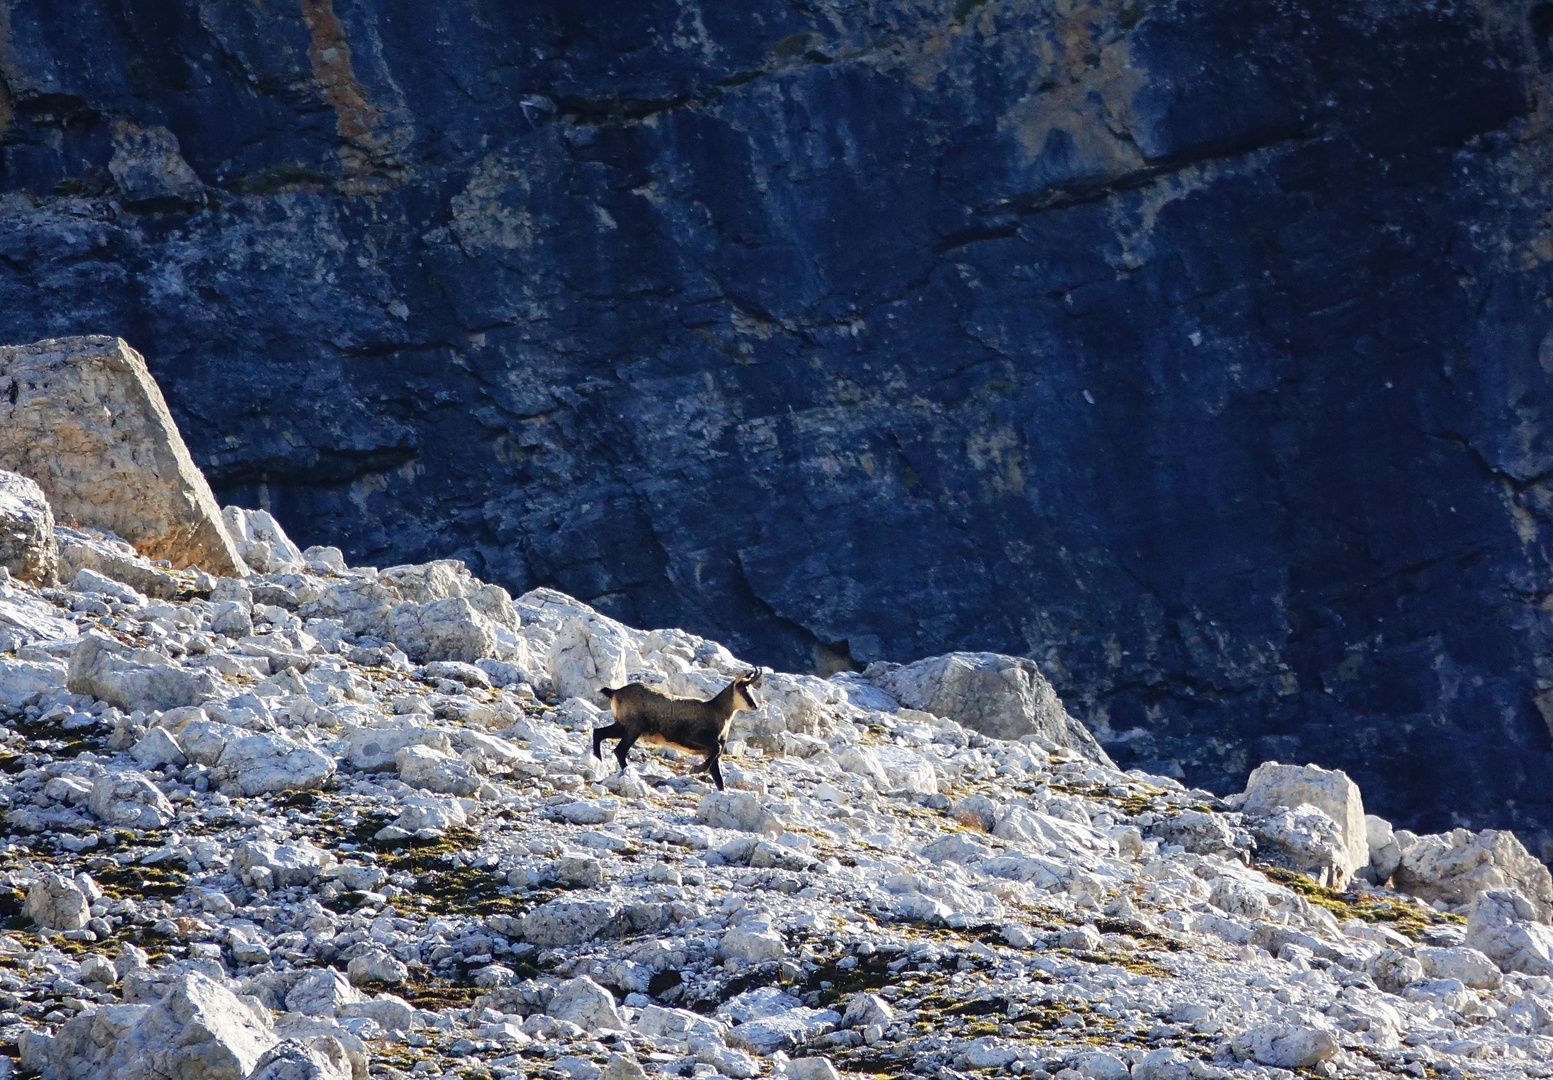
1197,353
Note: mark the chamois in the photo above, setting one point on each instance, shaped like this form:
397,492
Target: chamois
698,726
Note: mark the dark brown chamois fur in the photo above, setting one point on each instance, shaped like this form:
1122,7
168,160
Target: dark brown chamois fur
699,726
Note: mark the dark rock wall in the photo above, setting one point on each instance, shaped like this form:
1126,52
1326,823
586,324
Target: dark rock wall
1199,349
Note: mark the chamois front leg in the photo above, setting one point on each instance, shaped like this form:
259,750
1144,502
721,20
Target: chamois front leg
710,765
614,731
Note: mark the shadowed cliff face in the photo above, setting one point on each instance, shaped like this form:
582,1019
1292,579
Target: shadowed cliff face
1200,350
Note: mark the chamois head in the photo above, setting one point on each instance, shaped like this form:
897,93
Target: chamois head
744,690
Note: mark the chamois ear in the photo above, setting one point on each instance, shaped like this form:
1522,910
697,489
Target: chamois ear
751,678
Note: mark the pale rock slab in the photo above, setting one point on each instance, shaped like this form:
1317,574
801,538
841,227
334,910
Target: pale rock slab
129,800
583,1002
1469,966
322,992
86,421
753,941
28,548
1311,841
263,763
1502,924
320,1057
427,812
376,966
199,1030
373,749
423,767
1005,697
1456,866
57,903
134,678
1385,851
449,629
24,680
1285,1046
737,810
157,747
260,540
571,922
296,863
106,554
1272,787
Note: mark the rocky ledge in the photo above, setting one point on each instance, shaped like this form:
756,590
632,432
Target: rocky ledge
333,822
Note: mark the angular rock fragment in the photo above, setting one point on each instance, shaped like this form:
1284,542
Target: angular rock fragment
1273,787
127,799
587,1004
57,903
86,421
1456,866
28,549
263,763
1503,925
1005,697
134,678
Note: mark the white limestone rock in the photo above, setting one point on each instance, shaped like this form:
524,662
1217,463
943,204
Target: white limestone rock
430,812
423,767
57,903
23,681
1456,866
127,799
1273,787
737,810
1005,697
199,1030
1309,840
448,629
322,992
1502,925
585,1003
263,763
157,748
377,966
320,1057
1385,851
28,548
372,748
864,1009
753,941
90,425
134,678
1469,966
1285,1046
111,557
261,541
571,922
294,863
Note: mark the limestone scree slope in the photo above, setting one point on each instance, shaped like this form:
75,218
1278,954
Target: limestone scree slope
338,823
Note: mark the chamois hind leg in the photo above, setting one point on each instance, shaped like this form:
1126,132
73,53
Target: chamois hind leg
614,731
623,748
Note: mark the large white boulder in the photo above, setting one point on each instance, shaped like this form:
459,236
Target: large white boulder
1005,697
1502,925
585,1003
1273,787
294,863
753,941
134,678
737,810
199,1030
1309,840
1285,1046
28,548
448,629
571,922
128,799
57,903
319,1057
261,541
262,763
1456,866
322,992
431,770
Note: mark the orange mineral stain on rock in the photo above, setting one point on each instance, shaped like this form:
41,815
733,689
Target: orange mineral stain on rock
358,119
